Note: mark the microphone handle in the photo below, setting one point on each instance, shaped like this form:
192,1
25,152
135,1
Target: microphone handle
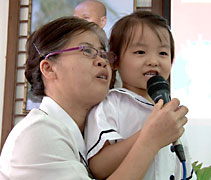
178,148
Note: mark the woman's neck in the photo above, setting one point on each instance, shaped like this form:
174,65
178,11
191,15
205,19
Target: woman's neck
78,114
75,110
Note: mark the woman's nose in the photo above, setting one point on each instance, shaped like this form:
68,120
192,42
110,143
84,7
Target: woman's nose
100,62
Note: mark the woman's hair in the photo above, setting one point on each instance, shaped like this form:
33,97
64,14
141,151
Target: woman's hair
124,30
53,37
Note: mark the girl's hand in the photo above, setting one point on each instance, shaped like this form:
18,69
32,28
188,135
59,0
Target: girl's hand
165,123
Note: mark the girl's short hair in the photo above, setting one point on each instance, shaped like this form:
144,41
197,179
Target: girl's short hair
124,30
53,37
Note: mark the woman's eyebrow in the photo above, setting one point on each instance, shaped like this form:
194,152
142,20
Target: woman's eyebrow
86,43
91,45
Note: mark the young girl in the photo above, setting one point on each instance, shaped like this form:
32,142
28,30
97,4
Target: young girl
144,47
68,66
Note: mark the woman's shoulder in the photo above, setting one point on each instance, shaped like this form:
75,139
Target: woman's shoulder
35,123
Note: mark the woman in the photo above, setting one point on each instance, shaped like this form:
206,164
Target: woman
67,64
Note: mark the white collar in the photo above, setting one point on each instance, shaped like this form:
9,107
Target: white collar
133,95
51,108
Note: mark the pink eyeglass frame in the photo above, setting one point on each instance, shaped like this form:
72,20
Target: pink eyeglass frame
64,50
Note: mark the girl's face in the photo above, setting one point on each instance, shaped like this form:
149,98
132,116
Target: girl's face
81,80
145,57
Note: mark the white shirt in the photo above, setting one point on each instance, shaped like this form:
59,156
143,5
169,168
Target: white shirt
45,145
121,115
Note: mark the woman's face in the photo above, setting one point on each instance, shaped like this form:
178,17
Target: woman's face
82,80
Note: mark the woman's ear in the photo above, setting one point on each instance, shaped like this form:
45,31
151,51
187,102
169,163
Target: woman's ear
47,69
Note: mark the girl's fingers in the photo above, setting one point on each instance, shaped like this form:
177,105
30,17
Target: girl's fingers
158,105
182,109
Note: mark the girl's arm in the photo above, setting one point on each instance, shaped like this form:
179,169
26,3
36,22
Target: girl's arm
107,160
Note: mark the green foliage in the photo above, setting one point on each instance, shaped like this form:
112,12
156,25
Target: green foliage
202,173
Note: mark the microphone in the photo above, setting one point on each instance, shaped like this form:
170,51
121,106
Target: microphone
158,88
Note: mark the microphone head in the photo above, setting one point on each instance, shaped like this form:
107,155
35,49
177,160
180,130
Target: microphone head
157,85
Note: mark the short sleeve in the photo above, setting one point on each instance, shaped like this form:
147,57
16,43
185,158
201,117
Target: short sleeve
102,125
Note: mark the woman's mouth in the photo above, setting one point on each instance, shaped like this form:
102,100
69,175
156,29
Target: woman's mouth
102,77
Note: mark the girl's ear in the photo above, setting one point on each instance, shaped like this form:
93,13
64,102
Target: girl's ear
115,65
46,67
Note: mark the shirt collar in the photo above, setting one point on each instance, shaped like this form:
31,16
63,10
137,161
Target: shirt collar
134,96
51,108
131,93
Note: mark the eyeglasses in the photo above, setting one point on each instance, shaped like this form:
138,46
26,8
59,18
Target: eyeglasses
89,52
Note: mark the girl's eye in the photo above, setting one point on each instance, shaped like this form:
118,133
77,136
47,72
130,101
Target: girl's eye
163,53
139,52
